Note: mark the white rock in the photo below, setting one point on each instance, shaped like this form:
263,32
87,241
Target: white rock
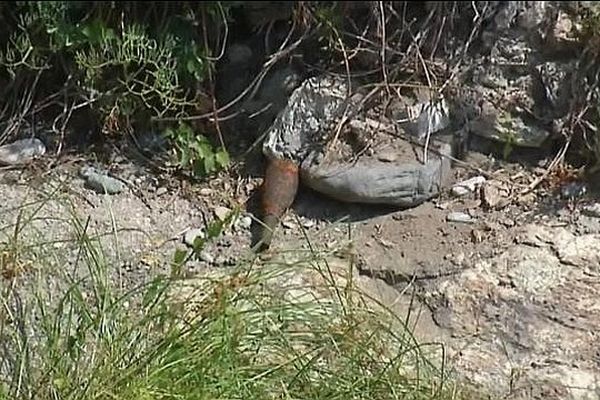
207,257
459,217
592,210
21,151
308,223
459,191
222,212
245,222
468,186
191,235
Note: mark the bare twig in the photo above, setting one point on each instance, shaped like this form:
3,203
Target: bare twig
226,33
211,83
557,159
383,47
253,86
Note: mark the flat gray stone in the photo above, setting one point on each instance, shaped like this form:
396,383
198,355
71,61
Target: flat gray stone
460,217
21,151
404,184
100,182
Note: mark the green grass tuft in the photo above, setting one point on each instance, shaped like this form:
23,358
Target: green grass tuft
262,330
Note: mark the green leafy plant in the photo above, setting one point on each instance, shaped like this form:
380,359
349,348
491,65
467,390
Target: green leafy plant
507,134
194,151
139,62
213,231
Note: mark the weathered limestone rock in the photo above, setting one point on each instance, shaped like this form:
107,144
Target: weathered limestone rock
308,119
526,322
520,82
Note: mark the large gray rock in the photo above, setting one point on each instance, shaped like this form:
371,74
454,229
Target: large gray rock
518,85
21,151
525,323
401,183
306,127
308,120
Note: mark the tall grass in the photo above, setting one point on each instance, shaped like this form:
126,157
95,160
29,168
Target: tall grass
262,330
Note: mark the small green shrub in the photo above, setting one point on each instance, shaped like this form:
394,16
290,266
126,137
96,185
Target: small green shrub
195,152
124,63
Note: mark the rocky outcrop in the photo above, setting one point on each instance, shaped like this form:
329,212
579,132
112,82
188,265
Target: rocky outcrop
524,78
525,323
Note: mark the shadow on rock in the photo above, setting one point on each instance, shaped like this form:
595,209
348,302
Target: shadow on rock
313,205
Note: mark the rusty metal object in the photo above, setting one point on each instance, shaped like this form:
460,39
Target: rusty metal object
278,192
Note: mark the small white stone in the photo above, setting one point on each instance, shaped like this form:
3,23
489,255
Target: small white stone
459,191
308,223
468,186
459,217
288,224
222,212
592,210
191,235
207,257
245,222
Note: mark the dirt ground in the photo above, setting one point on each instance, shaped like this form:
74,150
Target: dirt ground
140,228
152,217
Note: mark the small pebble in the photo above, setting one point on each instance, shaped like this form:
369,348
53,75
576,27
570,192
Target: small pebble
592,210
459,217
245,222
101,183
222,212
387,156
459,191
468,186
308,223
527,200
191,235
161,191
490,196
205,192
206,257
507,222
